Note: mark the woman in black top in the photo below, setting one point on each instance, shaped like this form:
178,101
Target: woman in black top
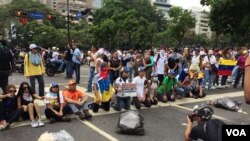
114,67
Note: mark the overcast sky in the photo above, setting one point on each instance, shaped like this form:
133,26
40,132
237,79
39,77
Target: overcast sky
187,4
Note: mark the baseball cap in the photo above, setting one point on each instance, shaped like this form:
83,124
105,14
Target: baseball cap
140,69
171,72
54,84
244,52
71,82
197,49
196,74
125,69
32,46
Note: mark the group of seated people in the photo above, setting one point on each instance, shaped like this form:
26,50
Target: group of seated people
71,100
23,105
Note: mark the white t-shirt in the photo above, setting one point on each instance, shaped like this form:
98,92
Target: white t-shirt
195,60
119,81
160,64
98,60
51,98
55,56
92,63
139,85
212,60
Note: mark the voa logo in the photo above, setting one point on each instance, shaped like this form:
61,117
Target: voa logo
236,132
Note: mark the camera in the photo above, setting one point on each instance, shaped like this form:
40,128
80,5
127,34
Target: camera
191,116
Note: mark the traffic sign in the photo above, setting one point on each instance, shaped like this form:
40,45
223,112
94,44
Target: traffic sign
36,15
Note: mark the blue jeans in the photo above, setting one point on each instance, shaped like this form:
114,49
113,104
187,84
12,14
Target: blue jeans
75,108
77,71
91,75
61,63
69,71
122,102
207,77
130,72
40,83
184,90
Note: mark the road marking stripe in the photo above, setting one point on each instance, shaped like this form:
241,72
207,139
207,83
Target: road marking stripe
98,130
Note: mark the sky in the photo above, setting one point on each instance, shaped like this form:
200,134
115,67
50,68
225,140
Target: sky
187,4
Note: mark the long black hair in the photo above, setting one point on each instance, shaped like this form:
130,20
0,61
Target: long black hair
21,89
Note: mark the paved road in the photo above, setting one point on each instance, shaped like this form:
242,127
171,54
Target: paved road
164,122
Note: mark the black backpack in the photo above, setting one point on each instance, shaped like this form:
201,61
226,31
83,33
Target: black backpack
131,122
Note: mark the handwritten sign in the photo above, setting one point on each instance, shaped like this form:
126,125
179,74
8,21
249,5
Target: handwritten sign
129,90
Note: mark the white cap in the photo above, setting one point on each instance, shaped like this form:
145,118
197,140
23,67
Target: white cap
32,46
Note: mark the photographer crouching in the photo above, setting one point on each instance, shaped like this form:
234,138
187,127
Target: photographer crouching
207,129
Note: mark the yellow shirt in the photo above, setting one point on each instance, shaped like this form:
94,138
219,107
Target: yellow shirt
32,70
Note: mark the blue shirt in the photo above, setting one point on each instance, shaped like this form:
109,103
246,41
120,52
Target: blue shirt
76,53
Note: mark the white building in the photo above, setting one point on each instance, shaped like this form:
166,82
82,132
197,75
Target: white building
162,5
202,20
97,4
3,2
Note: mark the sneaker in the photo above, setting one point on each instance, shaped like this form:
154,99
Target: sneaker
87,115
34,124
40,123
80,115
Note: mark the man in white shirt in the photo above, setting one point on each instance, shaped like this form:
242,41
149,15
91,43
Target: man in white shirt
56,60
160,64
141,90
209,62
92,55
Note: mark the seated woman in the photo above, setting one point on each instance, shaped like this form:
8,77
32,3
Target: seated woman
54,101
9,112
196,84
25,97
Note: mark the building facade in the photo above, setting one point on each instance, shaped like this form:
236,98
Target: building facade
3,2
162,5
202,20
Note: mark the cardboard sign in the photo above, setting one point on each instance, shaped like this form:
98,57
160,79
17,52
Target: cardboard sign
129,90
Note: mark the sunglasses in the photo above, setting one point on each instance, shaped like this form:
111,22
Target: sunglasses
11,91
25,87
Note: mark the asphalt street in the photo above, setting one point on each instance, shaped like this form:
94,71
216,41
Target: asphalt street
164,122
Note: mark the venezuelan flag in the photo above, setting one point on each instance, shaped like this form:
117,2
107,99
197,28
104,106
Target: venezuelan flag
106,89
226,67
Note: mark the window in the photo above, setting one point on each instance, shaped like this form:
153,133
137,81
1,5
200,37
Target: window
161,1
204,29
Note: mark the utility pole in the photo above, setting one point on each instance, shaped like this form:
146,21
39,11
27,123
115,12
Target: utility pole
68,21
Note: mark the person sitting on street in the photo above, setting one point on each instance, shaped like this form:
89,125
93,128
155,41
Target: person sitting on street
9,112
103,89
168,87
196,84
141,89
25,97
121,100
55,58
55,110
76,101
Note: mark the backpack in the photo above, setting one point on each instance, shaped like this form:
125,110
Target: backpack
213,129
131,122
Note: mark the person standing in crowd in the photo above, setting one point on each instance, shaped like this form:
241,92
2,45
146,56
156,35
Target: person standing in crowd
114,67
247,80
9,112
55,109
138,62
76,101
196,61
6,64
92,55
103,89
149,60
55,58
34,69
76,59
241,63
209,69
127,62
25,97
121,100
160,64
68,58
226,56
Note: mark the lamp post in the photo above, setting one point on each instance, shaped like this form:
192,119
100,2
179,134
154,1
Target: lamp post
68,35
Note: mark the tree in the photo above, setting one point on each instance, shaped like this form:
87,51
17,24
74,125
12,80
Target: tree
134,23
230,17
179,23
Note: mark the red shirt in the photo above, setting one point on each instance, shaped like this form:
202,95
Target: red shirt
241,61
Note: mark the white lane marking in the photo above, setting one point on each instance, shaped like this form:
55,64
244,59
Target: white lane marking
98,130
